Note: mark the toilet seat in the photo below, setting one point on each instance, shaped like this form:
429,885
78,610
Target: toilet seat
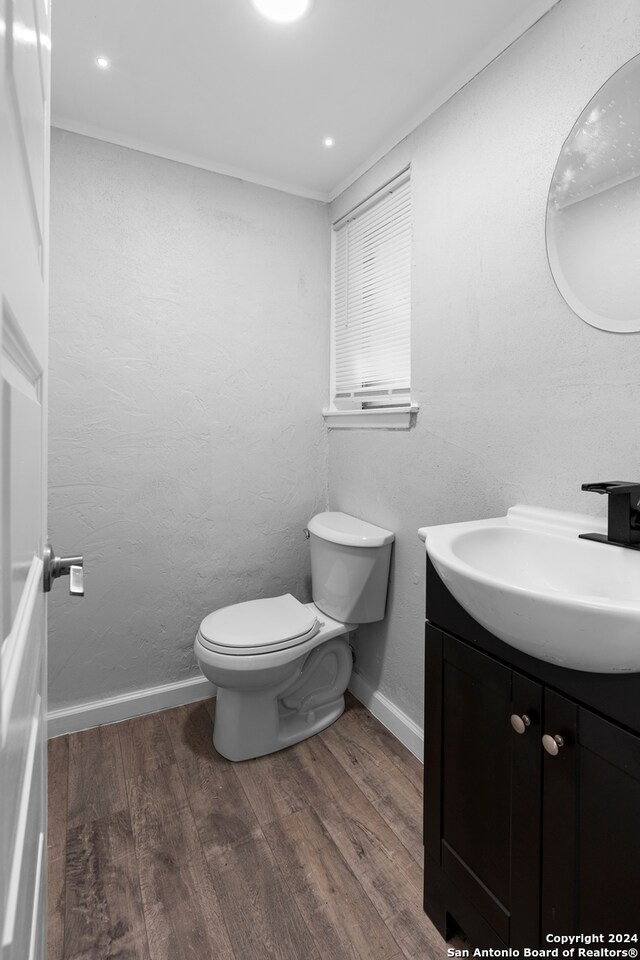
258,626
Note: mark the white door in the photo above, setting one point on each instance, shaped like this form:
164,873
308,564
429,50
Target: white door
24,197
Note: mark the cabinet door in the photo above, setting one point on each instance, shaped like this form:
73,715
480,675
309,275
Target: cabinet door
482,790
591,847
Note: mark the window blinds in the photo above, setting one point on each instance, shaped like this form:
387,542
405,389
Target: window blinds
372,301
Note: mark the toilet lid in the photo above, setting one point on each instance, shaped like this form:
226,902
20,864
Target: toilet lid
258,626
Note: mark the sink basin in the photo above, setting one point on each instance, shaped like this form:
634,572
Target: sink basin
530,581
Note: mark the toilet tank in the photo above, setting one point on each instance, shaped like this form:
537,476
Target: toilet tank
349,567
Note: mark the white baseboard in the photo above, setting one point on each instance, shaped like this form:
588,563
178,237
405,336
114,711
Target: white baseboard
82,716
390,716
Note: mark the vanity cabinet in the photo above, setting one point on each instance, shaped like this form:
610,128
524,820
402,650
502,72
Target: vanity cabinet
520,842
591,817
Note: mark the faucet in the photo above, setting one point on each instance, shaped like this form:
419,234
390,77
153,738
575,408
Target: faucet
624,513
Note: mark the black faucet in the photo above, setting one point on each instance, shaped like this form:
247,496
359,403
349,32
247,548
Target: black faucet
624,513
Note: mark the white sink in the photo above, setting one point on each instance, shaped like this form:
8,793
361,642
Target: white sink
530,581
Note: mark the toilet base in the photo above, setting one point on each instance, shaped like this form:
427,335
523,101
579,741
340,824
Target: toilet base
252,723
236,744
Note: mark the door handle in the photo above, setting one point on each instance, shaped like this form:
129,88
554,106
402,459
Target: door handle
54,567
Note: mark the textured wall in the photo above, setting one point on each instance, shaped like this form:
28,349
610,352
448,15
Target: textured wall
520,400
188,368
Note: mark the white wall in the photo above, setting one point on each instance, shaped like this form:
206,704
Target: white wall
188,369
520,400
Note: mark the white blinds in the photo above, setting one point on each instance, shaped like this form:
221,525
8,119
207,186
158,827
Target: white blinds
372,300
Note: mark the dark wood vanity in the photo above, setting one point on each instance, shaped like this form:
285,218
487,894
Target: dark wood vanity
522,844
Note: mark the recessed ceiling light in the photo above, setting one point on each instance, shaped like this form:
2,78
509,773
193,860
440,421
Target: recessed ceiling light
102,62
328,141
283,11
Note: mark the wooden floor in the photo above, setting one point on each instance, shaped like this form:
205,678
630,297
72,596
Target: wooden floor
159,849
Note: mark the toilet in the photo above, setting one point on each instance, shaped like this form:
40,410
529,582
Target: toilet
281,666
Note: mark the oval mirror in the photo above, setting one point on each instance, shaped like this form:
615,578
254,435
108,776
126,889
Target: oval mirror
593,212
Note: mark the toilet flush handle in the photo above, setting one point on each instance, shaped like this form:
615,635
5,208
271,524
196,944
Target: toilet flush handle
306,533
54,567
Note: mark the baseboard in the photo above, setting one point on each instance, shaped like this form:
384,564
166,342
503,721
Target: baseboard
389,715
82,716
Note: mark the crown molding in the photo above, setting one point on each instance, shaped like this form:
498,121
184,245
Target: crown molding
142,146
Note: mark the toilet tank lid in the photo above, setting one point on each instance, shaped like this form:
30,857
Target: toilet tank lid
349,531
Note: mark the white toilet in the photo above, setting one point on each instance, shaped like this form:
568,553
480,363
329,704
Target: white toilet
281,666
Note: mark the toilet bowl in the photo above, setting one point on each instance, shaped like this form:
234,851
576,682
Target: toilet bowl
281,666
270,698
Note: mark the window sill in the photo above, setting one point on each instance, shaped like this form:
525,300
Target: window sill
401,418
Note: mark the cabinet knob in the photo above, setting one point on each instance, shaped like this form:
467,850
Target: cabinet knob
520,723
552,744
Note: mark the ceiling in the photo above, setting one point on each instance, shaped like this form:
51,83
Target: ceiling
213,84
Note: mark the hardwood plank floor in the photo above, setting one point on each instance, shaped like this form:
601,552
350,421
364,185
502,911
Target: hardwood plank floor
103,915
182,912
96,785
57,842
342,921
218,802
160,849
383,783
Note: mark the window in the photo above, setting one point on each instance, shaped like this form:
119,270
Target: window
371,322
